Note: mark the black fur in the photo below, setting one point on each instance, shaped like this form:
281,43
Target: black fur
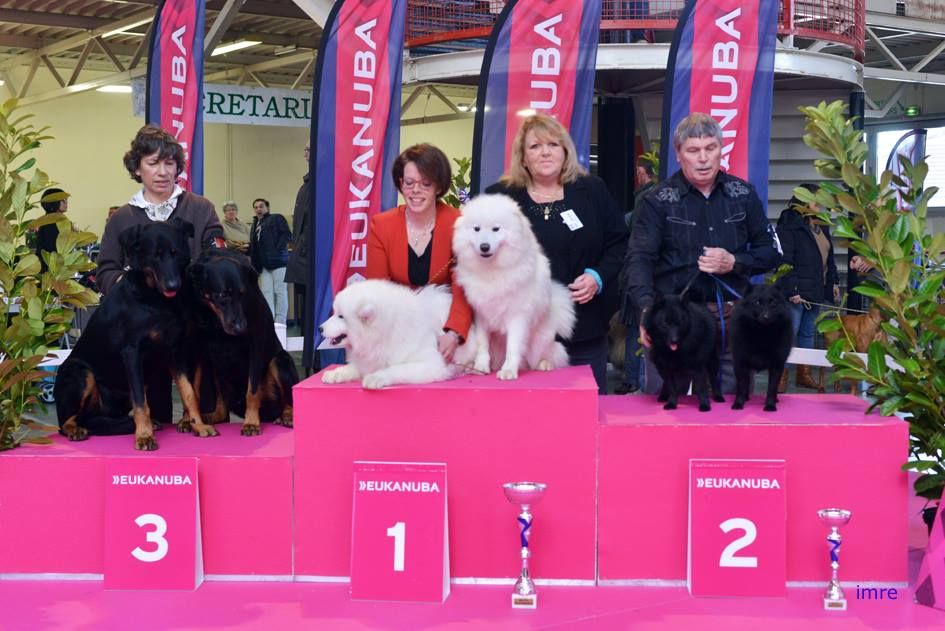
133,337
683,349
761,340
238,354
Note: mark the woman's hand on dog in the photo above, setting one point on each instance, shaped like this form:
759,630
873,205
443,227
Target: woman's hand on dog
583,289
447,343
716,261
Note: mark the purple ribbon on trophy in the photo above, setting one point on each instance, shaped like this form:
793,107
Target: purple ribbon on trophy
526,524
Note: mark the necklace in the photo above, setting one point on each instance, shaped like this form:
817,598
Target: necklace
415,236
549,200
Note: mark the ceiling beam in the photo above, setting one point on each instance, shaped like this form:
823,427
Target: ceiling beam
278,62
884,49
903,76
85,86
58,20
909,25
73,42
221,23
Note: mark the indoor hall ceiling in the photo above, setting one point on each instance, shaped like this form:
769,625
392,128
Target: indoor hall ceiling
35,38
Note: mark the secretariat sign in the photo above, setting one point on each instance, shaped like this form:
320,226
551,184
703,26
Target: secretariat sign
246,105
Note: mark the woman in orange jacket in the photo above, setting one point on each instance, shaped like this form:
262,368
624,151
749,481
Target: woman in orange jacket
412,243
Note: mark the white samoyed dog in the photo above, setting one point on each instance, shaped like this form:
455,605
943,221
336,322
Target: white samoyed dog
507,279
389,333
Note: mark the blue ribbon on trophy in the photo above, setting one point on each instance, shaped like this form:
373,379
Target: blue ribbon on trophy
834,551
526,524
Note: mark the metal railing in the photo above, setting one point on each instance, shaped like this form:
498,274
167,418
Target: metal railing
435,26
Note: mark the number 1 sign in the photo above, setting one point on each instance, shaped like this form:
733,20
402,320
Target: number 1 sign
737,528
399,540
152,524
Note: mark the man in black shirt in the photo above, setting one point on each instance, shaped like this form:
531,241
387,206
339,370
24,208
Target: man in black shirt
700,228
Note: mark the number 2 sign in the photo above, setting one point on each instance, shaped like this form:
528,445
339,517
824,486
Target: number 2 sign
152,524
399,542
737,528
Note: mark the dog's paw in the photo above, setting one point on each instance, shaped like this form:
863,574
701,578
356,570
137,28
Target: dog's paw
145,443
77,433
250,429
507,374
374,381
718,398
738,405
669,405
770,407
204,431
286,419
184,427
332,376
705,407
545,365
481,366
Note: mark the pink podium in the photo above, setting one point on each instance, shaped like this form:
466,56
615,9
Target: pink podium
541,427
835,457
52,501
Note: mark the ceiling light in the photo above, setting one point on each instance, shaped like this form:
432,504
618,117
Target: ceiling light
223,49
123,30
117,89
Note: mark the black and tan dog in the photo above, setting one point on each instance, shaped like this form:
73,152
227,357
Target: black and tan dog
135,334
236,346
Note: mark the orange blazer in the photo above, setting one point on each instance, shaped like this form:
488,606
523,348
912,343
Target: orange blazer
387,257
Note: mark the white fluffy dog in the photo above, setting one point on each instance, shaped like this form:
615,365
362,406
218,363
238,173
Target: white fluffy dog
389,332
507,280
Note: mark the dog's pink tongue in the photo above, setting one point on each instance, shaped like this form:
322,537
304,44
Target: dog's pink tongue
673,347
170,294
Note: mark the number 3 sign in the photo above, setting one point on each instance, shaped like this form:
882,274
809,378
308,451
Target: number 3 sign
737,524
152,524
399,542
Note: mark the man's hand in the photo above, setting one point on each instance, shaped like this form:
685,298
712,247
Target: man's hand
716,261
645,338
795,300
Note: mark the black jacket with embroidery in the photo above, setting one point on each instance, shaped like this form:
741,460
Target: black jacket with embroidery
675,222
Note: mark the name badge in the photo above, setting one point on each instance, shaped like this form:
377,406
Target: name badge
570,219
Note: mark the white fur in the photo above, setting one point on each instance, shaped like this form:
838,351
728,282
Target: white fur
390,334
518,308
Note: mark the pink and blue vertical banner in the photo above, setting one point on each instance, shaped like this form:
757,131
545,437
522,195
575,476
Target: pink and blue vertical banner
910,146
722,63
355,138
174,90
541,57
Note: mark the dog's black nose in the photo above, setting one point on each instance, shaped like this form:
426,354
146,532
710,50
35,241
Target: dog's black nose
484,248
320,330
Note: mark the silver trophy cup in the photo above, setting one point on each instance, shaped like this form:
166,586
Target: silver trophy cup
834,518
524,494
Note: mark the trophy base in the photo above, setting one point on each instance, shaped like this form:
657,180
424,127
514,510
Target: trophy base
524,601
835,605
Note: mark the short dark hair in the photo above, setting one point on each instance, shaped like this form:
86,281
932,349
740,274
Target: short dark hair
148,140
260,199
430,161
796,201
49,205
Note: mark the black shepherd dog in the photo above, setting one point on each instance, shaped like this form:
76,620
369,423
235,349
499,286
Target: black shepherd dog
761,340
238,357
683,349
136,333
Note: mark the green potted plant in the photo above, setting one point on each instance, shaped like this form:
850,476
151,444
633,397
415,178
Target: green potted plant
36,307
885,221
459,185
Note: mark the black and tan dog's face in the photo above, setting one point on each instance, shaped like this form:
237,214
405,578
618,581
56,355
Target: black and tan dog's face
160,250
221,282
